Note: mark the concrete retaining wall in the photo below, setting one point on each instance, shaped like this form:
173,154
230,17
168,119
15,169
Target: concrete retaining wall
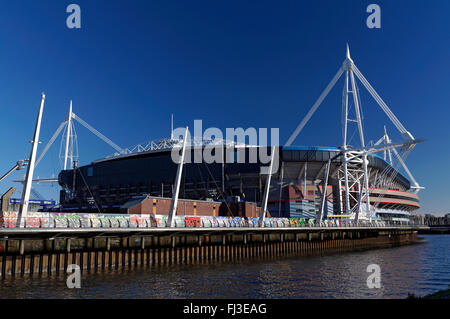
39,256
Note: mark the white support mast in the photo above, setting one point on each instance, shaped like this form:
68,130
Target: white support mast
353,173
324,191
69,144
23,211
387,141
171,126
68,139
345,101
262,215
174,202
364,189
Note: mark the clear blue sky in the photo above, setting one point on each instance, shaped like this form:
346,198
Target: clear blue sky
229,63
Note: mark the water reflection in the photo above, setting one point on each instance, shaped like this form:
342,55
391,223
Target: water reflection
418,269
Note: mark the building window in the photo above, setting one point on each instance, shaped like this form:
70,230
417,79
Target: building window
90,171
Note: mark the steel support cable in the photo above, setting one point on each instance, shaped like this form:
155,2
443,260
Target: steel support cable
314,107
379,141
392,176
9,172
220,191
359,101
89,190
380,101
200,173
402,162
404,155
355,130
390,115
37,194
381,196
98,134
343,109
74,143
50,142
385,172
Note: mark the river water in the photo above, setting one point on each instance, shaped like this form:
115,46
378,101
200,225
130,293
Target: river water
420,269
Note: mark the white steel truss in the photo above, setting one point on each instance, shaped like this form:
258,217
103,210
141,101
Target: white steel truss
69,141
170,143
353,176
387,155
69,144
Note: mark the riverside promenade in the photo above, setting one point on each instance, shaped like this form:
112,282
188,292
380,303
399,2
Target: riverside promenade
48,250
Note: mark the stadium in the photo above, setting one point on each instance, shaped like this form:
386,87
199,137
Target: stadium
347,182
296,189
310,182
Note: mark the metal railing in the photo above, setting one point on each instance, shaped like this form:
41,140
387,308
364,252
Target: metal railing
148,221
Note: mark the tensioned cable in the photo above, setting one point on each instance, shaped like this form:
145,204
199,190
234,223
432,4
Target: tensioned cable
359,101
220,191
385,173
89,190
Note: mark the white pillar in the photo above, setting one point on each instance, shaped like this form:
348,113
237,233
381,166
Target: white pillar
365,159
68,136
347,189
171,126
281,187
324,191
174,202
262,214
30,169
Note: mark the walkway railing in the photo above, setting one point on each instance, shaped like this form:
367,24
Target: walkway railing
75,221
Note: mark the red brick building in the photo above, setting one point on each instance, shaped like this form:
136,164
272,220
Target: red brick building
187,207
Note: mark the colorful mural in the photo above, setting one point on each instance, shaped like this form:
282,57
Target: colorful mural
82,220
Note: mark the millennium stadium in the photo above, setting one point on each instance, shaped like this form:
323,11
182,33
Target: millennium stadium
368,181
348,182
296,189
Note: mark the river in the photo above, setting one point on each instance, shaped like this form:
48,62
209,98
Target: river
420,269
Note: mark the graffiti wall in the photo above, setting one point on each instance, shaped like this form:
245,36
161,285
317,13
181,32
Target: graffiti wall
82,220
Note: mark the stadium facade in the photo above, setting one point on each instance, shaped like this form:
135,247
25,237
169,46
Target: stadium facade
296,188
